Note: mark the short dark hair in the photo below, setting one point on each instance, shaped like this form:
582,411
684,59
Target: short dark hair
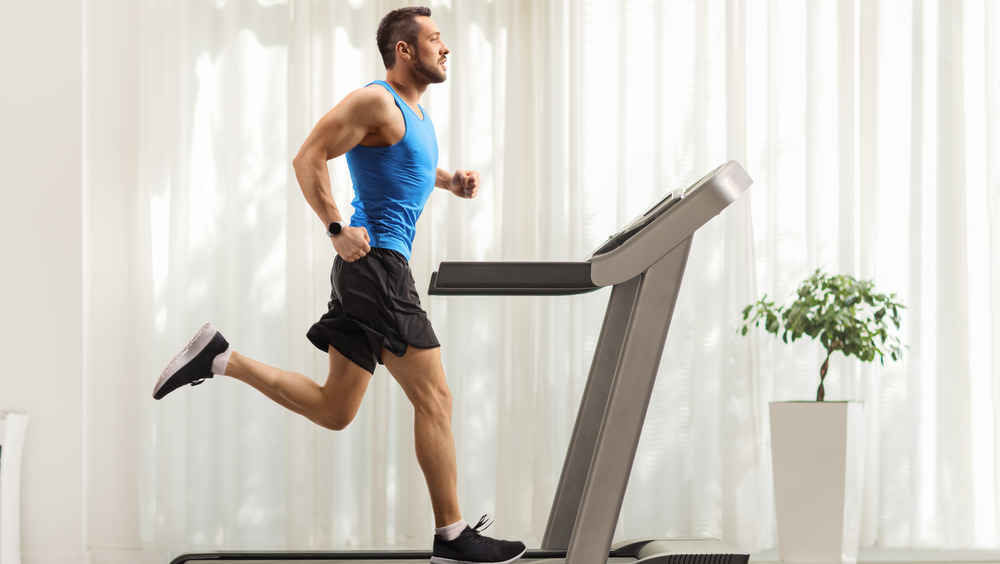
398,25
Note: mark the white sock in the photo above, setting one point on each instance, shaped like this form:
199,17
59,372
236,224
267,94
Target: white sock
452,531
221,361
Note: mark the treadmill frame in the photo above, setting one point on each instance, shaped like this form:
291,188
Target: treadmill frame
609,423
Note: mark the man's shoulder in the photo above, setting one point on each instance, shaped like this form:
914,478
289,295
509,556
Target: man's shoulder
371,107
372,97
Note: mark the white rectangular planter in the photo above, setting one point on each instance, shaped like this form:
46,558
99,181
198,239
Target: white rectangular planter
12,430
817,451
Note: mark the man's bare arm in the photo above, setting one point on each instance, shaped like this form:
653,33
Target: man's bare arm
464,183
336,133
356,117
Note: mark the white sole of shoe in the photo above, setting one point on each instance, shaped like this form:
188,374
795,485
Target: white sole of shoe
436,560
198,343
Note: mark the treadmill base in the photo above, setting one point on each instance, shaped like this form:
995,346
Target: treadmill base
647,551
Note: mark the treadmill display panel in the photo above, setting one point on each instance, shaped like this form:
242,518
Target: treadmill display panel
650,215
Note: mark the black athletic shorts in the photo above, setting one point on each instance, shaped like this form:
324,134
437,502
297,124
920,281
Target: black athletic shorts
373,305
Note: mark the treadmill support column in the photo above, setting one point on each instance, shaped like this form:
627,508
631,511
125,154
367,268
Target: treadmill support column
606,435
580,452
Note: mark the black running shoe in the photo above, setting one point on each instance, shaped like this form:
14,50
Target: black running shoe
193,365
471,547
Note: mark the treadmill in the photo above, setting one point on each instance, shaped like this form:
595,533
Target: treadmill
644,263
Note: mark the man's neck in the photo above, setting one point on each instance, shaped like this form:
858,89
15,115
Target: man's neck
408,89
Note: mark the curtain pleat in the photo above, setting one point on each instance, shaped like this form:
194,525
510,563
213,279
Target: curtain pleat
872,132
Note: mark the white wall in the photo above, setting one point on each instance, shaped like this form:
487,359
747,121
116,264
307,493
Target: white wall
114,389
41,289
68,147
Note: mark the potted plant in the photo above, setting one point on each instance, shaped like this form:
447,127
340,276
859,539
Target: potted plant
817,448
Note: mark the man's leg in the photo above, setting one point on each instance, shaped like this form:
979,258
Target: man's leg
332,405
420,373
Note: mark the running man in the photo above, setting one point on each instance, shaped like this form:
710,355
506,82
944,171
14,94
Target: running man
374,312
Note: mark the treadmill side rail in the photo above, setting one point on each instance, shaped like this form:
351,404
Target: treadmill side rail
299,556
658,551
511,279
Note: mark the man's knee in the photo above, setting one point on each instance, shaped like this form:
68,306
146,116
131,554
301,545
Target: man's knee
435,400
446,400
334,420
342,394
336,415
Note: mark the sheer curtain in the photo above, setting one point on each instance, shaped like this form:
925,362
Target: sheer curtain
871,130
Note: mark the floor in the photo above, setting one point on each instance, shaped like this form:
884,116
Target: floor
904,556
865,556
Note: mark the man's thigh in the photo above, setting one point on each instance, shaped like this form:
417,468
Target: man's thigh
346,382
419,372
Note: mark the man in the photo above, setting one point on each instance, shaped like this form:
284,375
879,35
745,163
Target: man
374,312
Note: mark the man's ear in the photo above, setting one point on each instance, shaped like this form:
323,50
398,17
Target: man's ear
404,50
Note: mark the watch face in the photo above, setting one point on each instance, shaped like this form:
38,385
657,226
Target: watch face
334,228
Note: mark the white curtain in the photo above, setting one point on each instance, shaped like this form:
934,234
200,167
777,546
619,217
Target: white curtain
871,129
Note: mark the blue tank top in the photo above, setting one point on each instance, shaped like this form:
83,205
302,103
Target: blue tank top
392,184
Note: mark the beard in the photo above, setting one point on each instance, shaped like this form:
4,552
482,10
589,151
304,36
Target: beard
433,75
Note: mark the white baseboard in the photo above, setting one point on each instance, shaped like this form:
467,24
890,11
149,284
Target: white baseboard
113,556
908,555
66,558
100,556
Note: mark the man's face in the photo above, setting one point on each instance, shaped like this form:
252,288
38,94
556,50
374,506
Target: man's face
429,64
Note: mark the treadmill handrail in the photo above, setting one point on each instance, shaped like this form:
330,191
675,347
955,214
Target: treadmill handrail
512,279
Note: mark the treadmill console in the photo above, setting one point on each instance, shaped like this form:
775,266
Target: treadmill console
637,224
627,254
650,215
666,224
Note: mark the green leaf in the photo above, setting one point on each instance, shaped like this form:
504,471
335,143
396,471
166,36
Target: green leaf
772,323
840,312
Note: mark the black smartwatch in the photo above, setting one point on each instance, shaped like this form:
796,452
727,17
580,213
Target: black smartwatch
335,228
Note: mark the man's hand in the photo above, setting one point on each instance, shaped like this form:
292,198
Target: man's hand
352,243
464,183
